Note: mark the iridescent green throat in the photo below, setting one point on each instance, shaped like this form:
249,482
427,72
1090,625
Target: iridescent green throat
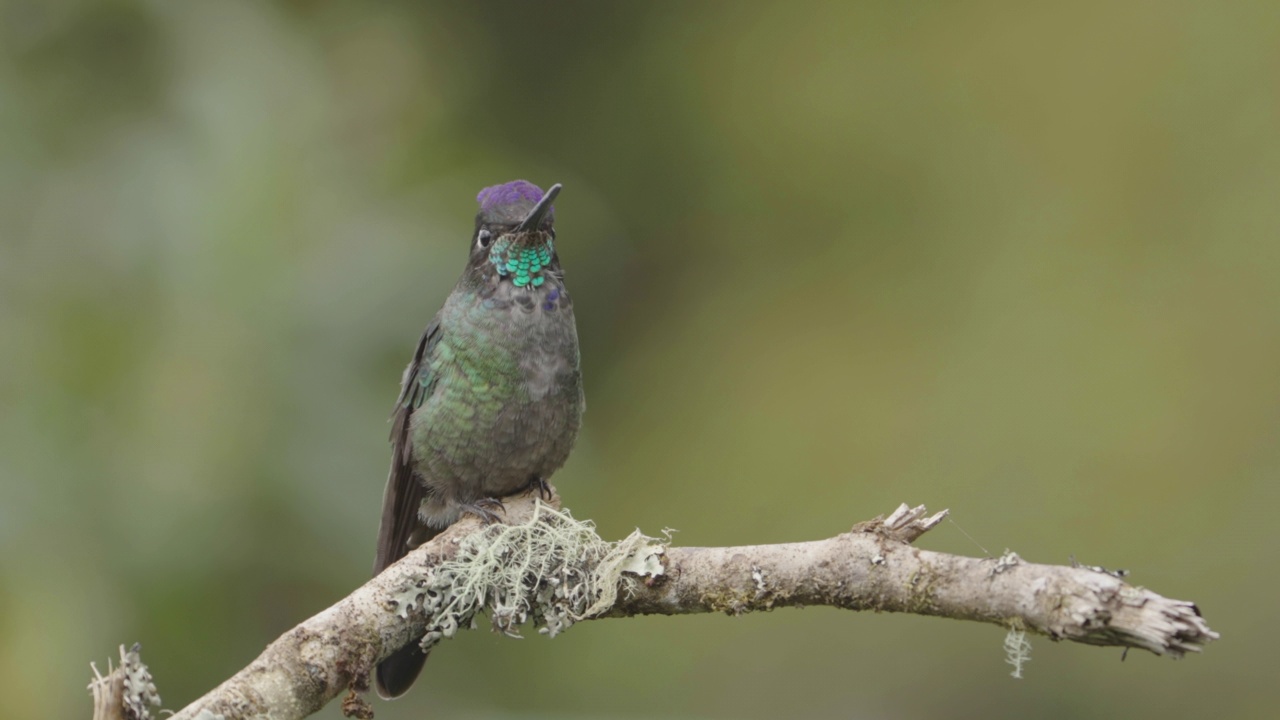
523,264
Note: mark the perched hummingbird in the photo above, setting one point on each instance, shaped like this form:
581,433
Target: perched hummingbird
492,400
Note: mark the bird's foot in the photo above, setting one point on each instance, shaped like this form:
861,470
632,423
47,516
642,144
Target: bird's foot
544,490
484,509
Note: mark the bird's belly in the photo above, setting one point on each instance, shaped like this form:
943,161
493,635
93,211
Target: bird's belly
490,439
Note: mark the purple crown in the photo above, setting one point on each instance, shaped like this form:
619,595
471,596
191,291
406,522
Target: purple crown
511,193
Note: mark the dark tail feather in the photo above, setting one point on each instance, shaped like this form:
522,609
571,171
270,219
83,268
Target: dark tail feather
400,532
396,674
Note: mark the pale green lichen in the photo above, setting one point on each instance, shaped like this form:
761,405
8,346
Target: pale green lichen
1017,650
553,569
1005,562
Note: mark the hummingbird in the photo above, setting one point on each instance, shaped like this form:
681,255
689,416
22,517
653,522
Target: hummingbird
491,403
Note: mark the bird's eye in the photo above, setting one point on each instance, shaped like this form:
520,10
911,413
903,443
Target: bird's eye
483,238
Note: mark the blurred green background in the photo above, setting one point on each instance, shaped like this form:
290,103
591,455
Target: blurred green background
1018,260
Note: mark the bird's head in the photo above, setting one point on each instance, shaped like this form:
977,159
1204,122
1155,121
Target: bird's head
514,238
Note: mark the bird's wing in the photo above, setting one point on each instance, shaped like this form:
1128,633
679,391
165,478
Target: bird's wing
404,493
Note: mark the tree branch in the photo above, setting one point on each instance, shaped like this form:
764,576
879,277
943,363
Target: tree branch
437,588
870,571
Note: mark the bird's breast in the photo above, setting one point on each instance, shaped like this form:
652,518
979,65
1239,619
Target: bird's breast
527,335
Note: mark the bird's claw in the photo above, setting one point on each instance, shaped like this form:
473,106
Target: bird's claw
484,509
544,490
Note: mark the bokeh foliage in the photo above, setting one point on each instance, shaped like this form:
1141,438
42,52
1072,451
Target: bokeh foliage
1021,260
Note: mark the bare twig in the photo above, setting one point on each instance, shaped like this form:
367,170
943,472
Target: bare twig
567,574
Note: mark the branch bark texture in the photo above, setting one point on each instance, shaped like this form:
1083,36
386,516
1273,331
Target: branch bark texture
873,567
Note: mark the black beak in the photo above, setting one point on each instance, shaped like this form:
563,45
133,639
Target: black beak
539,211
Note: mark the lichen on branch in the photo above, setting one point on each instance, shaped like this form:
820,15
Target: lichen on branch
553,569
